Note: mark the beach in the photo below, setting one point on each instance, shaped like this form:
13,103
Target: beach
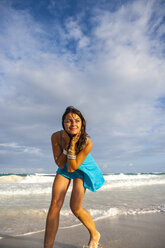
129,212
140,231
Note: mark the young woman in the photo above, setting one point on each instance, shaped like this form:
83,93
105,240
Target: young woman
71,149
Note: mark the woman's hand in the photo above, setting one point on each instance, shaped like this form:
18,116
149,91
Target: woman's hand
72,151
73,164
65,140
75,138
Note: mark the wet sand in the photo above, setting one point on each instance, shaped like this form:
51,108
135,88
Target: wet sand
139,231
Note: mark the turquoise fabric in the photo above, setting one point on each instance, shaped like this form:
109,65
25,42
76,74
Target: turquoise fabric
88,171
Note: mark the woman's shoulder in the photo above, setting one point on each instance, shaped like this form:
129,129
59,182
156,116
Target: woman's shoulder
55,136
88,143
87,138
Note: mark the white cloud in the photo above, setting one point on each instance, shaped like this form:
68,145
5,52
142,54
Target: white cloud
22,149
115,75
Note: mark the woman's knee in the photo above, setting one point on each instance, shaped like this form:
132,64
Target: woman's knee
75,208
55,206
77,196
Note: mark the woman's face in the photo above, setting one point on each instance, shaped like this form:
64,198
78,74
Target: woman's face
72,123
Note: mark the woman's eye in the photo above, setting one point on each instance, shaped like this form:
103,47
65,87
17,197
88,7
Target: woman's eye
71,121
68,121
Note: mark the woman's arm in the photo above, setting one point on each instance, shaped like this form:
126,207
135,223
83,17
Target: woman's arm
73,164
59,157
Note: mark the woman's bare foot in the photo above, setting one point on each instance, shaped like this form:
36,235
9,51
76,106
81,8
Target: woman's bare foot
93,243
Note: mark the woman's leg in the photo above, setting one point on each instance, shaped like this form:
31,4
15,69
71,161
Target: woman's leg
83,215
59,190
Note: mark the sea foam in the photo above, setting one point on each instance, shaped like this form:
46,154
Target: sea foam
42,184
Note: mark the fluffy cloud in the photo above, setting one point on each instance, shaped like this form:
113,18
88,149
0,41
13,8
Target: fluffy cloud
114,73
21,149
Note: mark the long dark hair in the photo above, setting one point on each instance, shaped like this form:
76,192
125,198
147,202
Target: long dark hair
82,139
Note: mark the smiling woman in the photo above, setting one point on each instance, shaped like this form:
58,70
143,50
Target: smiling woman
71,149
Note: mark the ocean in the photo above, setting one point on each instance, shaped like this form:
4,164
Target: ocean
25,199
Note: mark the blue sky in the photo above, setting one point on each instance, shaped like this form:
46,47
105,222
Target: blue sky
106,58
